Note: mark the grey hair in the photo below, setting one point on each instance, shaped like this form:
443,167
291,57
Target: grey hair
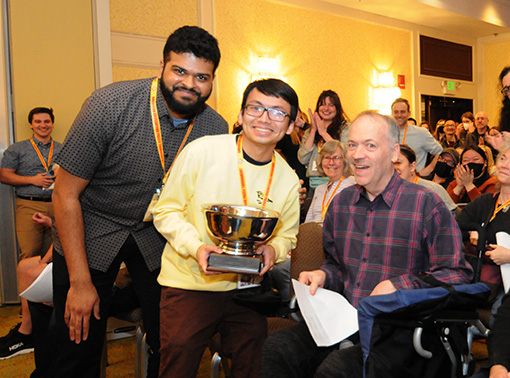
327,149
393,134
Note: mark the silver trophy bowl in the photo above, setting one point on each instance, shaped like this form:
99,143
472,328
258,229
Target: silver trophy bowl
239,227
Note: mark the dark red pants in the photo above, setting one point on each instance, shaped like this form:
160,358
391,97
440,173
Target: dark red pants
188,320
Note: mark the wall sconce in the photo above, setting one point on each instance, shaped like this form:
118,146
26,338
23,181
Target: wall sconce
385,93
266,68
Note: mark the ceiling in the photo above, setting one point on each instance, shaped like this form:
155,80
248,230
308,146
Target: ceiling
468,18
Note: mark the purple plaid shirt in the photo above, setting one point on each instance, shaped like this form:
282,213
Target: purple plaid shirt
404,231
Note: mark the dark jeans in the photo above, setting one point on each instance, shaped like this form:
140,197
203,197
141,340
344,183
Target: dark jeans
44,339
190,318
293,353
84,359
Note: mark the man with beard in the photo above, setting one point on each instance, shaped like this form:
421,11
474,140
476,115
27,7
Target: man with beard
113,165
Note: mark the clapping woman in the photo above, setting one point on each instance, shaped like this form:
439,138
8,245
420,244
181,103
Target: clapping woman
327,123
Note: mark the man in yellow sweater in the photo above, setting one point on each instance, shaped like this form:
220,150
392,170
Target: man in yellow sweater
197,303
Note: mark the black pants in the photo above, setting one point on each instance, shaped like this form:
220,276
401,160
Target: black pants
292,353
84,359
44,339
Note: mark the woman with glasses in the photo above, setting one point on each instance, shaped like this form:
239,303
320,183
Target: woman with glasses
443,170
490,213
406,169
472,177
332,162
327,123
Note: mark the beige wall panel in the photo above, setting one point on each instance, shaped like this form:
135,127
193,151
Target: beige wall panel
315,51
53,64
152,17
121,73
497,56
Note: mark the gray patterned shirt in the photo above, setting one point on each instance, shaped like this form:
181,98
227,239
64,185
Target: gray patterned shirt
111,143
22,157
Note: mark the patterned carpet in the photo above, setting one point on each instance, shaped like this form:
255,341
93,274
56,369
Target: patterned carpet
120,354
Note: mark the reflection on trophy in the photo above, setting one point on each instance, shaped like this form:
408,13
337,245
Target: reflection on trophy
239,229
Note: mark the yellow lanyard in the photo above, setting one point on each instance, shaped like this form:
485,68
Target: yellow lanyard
242,177
499,208
405,133
157,129
325,204
46,166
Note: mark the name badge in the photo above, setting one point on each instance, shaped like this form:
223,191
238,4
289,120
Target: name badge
148,214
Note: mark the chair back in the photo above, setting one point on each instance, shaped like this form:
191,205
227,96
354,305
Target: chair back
308,254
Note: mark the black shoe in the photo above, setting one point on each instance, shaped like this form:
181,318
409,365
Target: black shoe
15,343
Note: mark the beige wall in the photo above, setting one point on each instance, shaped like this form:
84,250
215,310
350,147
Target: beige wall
52,59
156,18
496,56
315,52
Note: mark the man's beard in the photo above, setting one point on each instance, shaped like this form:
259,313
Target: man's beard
185,109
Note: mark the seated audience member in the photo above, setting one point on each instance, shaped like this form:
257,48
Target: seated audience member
445,164
491,167
450,138
406,169
19,339
411,121
490,209
426,125
328,122
477,137
472,176
439,131
332,161
468,123
364,253
197,302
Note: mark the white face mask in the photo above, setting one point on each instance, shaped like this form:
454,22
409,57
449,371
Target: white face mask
466,125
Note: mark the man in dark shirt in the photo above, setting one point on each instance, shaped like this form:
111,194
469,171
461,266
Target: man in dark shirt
113,163
450,138
378,235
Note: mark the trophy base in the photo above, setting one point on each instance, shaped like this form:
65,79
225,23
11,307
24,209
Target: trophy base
235,264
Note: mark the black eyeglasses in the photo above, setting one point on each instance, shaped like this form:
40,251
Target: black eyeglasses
273,114
505,90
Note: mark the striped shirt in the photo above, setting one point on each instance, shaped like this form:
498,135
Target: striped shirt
404,231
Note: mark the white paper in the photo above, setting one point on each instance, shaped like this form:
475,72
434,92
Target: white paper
503,240
328,315
41,289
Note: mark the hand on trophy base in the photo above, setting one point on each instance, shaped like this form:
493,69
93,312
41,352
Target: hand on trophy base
235,264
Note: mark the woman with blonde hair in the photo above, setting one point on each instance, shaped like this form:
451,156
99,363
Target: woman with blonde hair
332,162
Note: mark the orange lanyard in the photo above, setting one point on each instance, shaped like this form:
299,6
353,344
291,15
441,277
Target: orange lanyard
416,179
157,129
499,208
242,177
325,204
319,145
46,166
405,133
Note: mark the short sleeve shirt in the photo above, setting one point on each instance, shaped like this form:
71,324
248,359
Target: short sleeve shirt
23,158
111,143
